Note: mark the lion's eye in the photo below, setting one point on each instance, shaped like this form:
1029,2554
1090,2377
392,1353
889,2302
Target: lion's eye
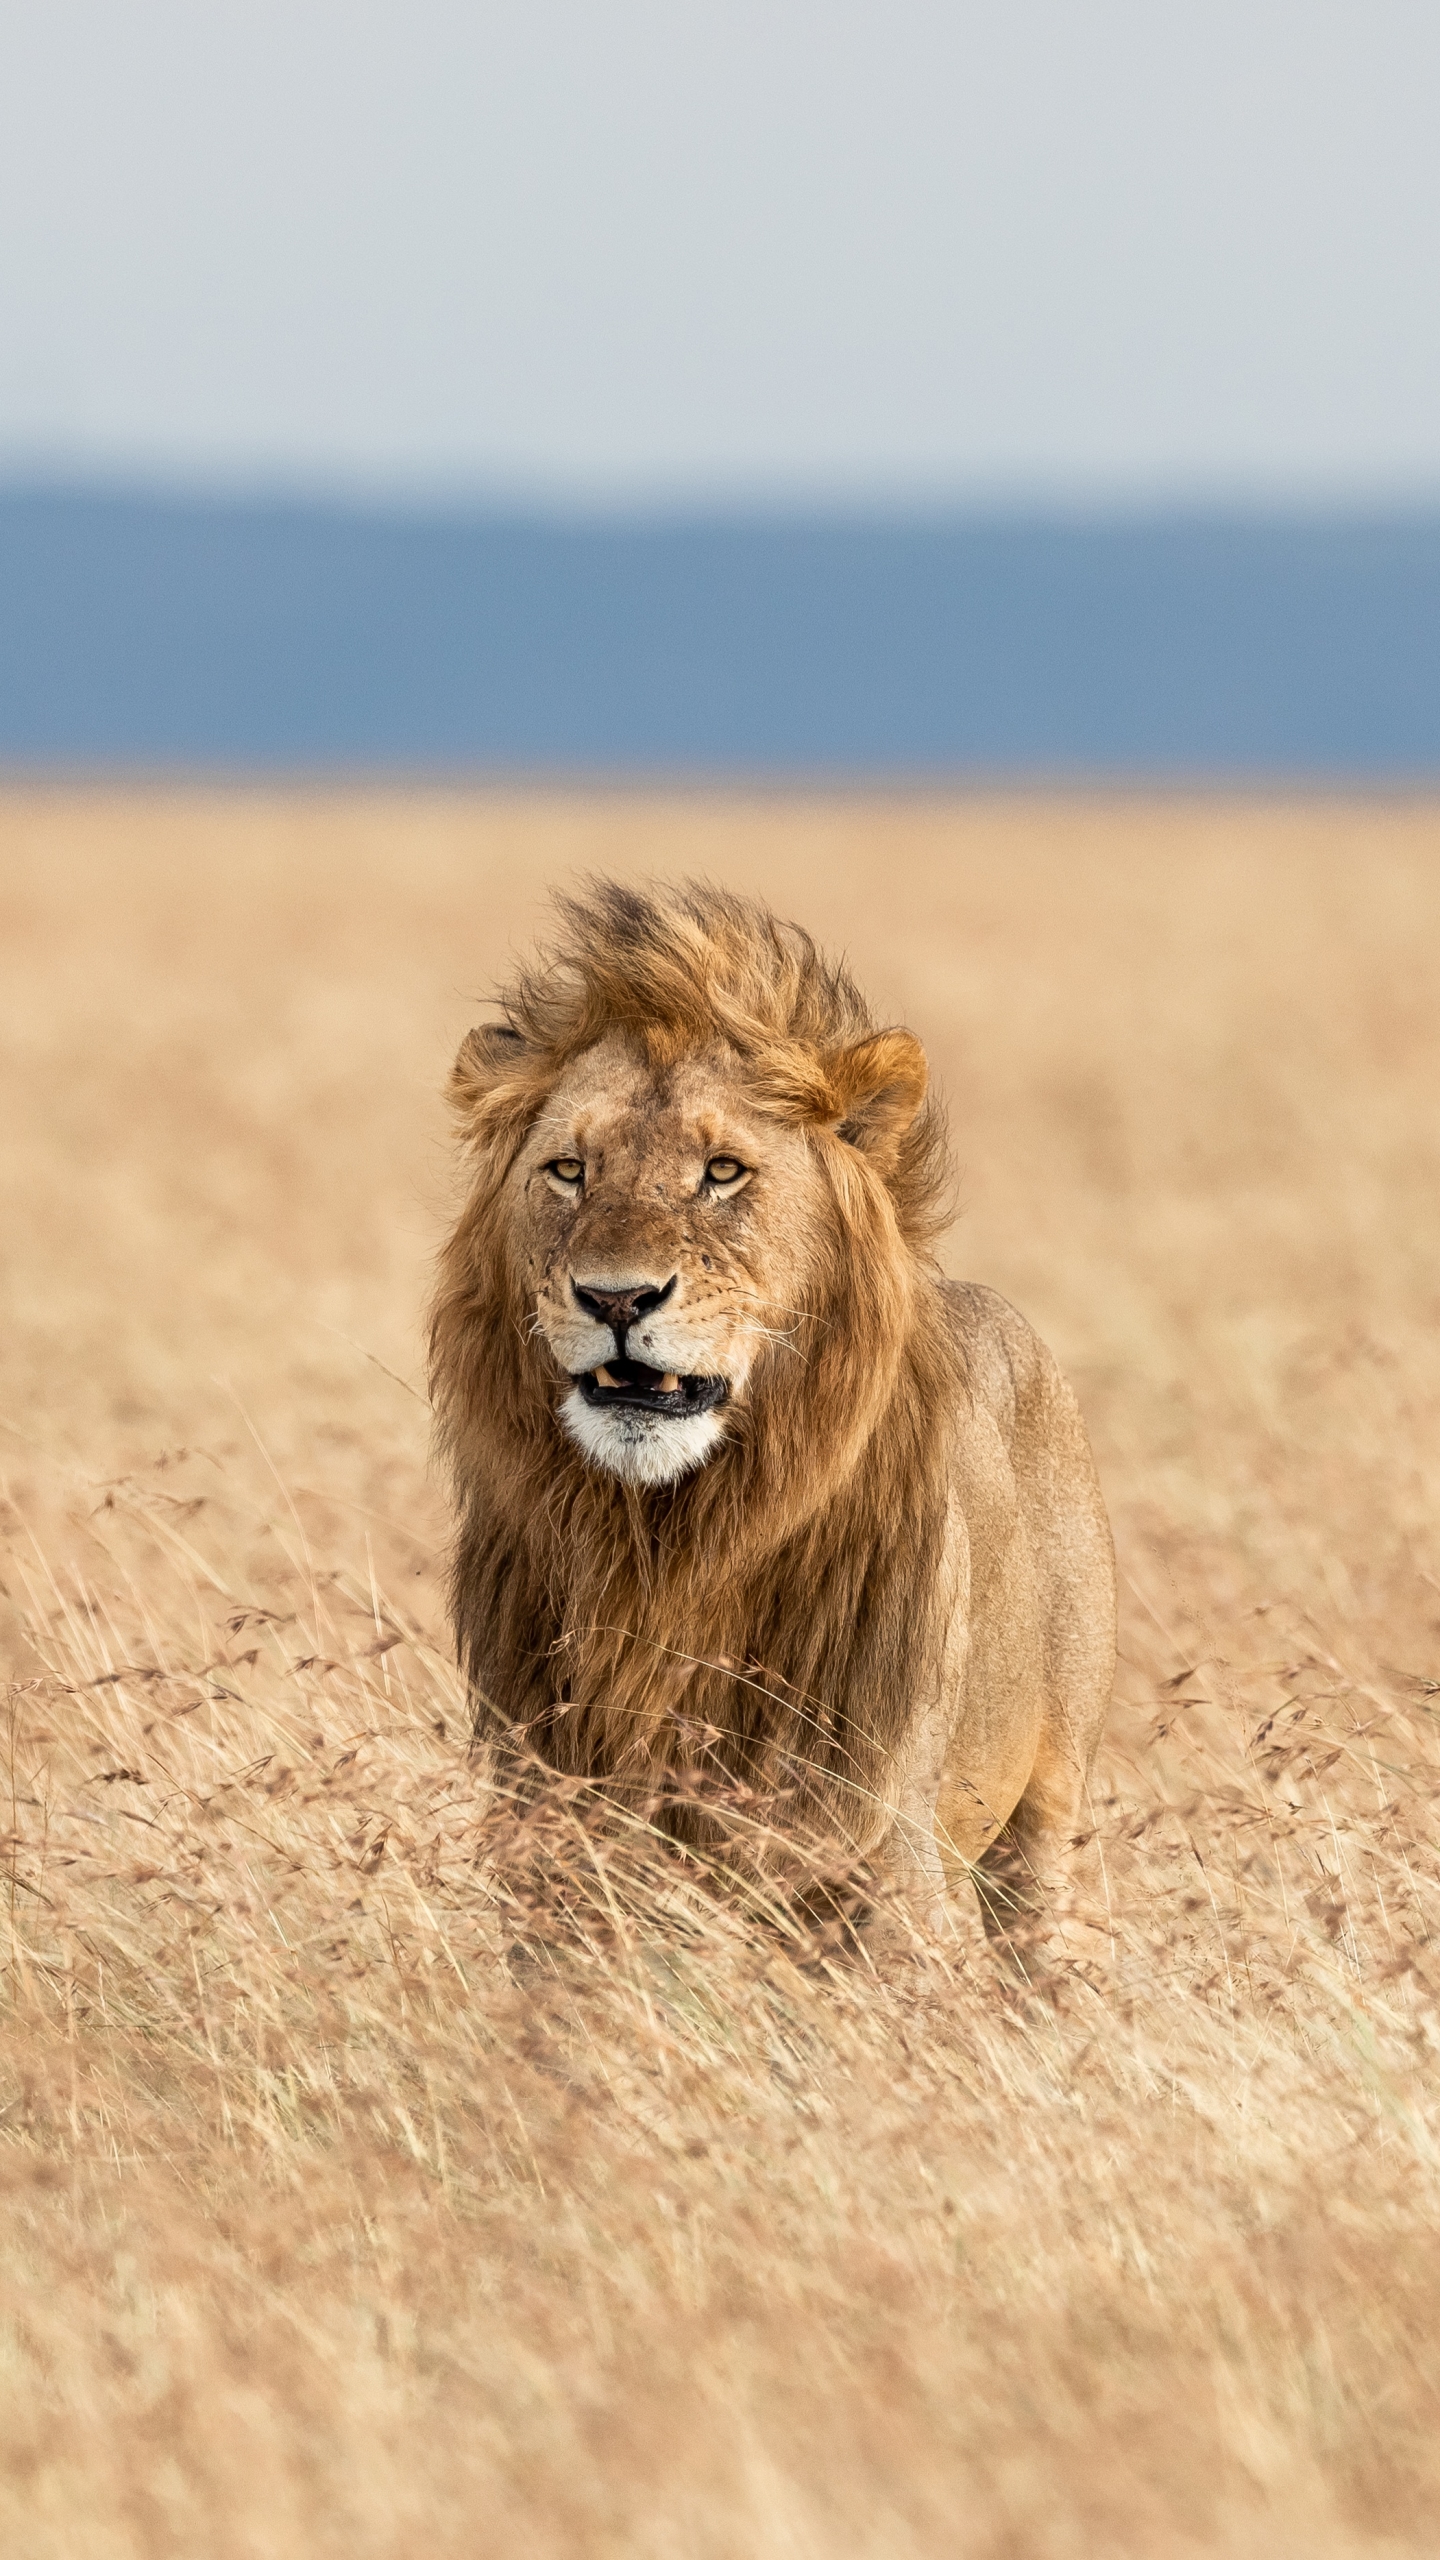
566,1172
724,1172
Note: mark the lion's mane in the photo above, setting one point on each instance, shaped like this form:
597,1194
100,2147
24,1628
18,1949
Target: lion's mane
767,1623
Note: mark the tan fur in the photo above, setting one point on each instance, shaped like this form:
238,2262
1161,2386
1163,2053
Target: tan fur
883,1607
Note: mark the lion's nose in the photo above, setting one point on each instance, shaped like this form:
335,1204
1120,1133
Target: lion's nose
622,1307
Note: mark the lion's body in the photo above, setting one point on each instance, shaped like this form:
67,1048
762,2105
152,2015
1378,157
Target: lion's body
1034,1664
753,1505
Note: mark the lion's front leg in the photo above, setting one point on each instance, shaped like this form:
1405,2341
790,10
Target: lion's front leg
913,1908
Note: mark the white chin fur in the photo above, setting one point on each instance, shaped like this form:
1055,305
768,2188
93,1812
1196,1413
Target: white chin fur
644,1448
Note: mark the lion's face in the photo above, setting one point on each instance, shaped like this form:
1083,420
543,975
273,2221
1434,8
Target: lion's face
660,1226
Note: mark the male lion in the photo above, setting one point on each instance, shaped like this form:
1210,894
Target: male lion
750,1497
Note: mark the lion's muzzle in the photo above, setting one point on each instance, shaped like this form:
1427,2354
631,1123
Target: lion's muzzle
650,1362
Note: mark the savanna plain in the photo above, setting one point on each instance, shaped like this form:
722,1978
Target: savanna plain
338,2218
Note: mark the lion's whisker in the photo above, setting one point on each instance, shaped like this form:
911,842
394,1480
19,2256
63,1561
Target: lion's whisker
781,1341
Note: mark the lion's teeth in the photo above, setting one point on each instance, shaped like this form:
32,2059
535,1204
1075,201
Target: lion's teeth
669,1383
603,1378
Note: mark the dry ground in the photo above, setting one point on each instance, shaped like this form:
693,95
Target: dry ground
328,2229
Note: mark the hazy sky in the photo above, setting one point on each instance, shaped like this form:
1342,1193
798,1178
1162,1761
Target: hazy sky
701,248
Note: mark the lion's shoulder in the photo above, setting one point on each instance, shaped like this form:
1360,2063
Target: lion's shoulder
1010,1372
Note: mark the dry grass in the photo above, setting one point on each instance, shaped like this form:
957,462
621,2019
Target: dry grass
332,2228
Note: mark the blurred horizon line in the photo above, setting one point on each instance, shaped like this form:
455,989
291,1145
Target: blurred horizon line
1286,498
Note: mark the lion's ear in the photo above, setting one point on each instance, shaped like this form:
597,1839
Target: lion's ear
490,1057
879,1086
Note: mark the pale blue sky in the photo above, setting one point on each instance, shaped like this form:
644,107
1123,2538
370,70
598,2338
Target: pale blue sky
617,249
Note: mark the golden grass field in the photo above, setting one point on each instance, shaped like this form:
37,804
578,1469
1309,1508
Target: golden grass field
330,2227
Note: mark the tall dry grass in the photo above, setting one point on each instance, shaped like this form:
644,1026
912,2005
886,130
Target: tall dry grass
367,2192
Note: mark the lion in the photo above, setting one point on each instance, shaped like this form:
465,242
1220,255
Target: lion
750,1498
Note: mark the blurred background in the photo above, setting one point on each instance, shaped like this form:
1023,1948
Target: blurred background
811,388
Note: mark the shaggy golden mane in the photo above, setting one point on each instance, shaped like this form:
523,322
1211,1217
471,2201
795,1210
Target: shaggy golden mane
675,969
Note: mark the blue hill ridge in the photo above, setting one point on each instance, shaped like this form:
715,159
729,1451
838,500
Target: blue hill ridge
150,630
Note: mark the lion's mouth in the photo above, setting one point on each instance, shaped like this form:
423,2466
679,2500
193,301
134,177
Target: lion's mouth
629,1382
